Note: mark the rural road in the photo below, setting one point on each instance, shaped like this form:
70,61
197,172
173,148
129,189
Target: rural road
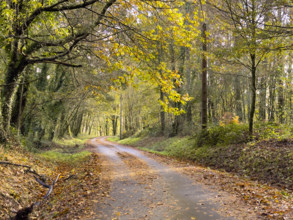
143,188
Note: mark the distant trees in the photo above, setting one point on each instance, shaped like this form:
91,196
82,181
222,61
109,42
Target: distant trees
257,30
249,67
60,59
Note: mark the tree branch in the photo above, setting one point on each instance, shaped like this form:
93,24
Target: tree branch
24,213
28,170
53,8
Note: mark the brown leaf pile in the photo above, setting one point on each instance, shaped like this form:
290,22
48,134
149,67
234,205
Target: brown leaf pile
141,172
75,194
18,189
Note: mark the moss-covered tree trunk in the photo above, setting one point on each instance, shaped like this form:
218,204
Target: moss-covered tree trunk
12,75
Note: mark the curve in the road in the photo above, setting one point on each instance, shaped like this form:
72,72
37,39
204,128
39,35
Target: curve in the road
173,195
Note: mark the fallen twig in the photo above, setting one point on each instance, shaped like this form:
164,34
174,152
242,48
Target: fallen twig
71,176
50,188
24,213
28,170
14,164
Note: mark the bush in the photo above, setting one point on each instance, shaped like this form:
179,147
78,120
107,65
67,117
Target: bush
180,147
272,130
224,135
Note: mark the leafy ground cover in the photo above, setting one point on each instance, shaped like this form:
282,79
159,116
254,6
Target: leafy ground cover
78,188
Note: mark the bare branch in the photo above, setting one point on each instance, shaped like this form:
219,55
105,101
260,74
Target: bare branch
28,170
14,164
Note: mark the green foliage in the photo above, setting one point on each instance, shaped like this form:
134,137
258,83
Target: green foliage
223,135
153,131
179,147
270,130
56,156
130,140
114,139
80,140
128,133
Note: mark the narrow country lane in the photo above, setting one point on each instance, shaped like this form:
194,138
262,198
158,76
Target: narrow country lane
143,188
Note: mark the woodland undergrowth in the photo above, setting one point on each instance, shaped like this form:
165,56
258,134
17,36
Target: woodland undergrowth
78,188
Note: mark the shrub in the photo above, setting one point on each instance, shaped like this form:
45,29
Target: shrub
180,147
225,134
272,130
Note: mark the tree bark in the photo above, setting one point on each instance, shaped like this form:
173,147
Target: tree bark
162,113
280,95
12,76
173,65
204,92
20,103
121,127
272,95
253,93
238,98
114,124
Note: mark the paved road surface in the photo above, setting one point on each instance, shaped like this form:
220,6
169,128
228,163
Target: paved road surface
163,194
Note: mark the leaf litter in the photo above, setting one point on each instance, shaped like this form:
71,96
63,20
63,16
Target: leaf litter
267,202
80,186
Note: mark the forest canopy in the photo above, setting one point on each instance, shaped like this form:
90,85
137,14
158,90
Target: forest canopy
175,67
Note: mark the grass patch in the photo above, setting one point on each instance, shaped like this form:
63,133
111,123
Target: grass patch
80,140
113,139
126,141
56,156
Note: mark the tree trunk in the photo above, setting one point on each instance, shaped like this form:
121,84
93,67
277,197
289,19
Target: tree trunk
272,95
177,125
238,98
173,64
107,127
121,118
262,96
253,93
114,124
243,107
290,93
162,113
204,92
280,94
77,124
11,78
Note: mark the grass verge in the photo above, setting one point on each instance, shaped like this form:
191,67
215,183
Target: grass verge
268,161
